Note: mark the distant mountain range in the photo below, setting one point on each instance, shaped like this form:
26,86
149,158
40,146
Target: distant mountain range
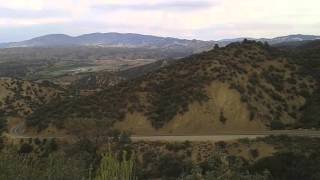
273,41
138,40
109,40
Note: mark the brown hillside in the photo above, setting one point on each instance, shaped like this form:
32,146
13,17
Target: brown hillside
243,86
19,97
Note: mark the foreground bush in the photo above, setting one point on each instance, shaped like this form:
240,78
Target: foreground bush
31,167
58,167
112,169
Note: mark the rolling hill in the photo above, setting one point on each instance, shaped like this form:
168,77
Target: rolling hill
244,86
21,98
112,40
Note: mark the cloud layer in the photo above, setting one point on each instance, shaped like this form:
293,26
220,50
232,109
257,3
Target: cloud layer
200,19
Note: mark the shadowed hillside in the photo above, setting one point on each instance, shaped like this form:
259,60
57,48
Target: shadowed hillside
244,86
307,55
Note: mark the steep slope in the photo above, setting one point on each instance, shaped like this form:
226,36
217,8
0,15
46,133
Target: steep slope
21,98
244,86
307,55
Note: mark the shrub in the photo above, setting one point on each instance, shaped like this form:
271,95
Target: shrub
25,149
254,153
111,168
171,166
223,120
289,166
178,146
221,145
277,125
30,166
37,141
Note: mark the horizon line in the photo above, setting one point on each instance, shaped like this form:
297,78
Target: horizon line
135,33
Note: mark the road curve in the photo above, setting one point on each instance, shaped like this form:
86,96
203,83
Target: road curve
18,131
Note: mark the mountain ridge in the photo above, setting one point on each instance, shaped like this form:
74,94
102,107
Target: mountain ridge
107,40
114,39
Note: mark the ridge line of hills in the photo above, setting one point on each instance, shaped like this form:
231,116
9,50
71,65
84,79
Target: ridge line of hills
138,40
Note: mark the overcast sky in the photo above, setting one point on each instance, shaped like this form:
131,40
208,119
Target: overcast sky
191,19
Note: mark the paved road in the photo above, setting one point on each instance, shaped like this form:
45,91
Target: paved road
17,132
194,138
227,136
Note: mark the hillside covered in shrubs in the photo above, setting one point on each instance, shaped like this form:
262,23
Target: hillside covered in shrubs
21,98
307,55
242,85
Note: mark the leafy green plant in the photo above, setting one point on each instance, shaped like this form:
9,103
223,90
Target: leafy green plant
113,169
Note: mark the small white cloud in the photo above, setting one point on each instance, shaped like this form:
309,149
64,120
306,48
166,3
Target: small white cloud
9,22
